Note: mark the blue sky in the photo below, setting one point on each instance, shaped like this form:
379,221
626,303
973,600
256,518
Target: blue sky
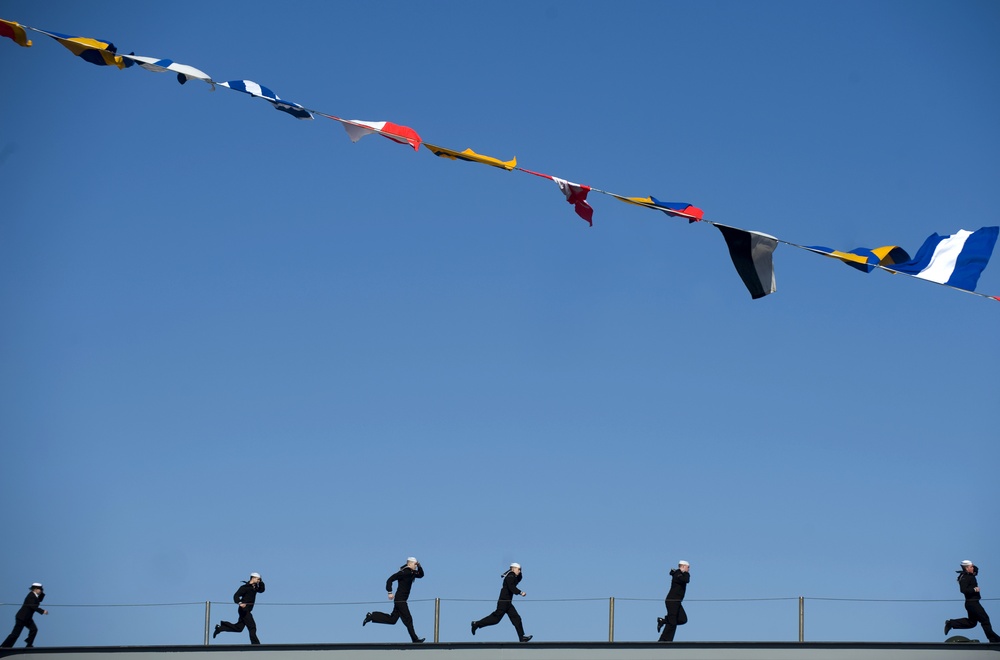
233,341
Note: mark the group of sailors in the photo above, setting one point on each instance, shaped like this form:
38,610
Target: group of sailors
246,596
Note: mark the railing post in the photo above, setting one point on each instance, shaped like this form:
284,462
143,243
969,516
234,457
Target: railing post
437,619
208,619
611,620
802,619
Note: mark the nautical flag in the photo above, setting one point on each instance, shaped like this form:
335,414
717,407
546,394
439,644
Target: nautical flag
682,209
472,157
294,109
13,30
357,129
253,89
957,260
751,253
95,51
673,209
577,196
183,71
864,259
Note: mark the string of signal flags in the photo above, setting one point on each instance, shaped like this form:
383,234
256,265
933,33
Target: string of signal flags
954,261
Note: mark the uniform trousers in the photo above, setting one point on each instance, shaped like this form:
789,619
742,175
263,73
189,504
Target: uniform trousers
19,625
503,607
400,610
676,616
245,621
976,615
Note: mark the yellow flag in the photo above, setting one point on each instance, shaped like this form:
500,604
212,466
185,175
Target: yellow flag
13,30
472,157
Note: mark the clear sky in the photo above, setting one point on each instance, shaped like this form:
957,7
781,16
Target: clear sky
231,341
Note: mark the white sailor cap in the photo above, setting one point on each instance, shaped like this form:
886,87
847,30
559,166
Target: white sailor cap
683,563
409,559
966,562
256,575
515,565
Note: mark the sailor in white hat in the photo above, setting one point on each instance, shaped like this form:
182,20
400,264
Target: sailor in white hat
505,604
968,584
403,578
25,617
676,616
245,596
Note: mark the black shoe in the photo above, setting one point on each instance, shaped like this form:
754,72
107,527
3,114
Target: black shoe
659,623
947,626
474,626
368,617
419,640
218,629
526,638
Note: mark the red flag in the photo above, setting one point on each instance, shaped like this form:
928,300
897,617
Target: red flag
357,129
576,195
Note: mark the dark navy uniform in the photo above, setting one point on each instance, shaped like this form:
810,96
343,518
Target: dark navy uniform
676,616
403,578
246,596
505,606
969,586
24,618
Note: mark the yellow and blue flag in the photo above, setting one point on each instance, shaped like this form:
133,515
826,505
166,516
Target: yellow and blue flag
95,51
864,259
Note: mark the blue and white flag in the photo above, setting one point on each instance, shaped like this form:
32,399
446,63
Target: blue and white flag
160,65
957,260
253,89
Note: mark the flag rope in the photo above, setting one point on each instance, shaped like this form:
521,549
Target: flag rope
410,140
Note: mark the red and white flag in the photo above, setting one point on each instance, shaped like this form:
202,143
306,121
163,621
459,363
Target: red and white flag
357,129
576,195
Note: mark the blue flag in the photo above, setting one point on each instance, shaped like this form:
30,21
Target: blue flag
957,260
